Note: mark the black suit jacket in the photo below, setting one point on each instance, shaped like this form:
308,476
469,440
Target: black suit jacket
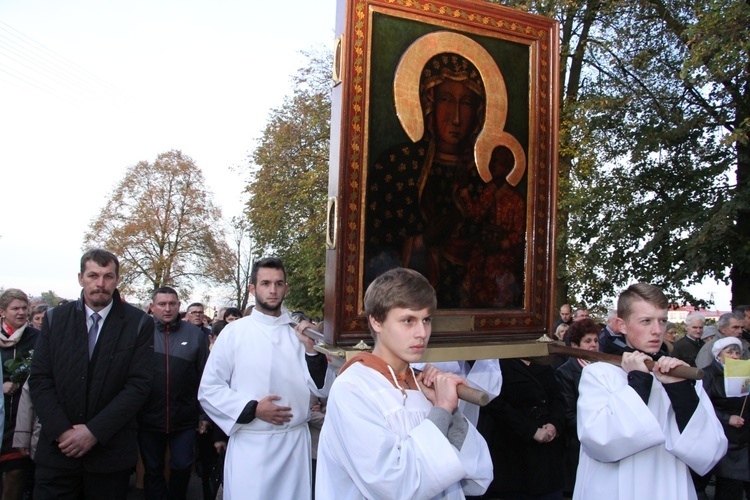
104,393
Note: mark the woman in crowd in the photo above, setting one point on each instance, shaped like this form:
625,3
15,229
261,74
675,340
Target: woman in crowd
36,316
670,336
232,314
560,332
522,427
583,334
733,471
17,339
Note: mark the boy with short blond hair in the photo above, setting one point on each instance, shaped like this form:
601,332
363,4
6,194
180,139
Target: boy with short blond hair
384,435
640,432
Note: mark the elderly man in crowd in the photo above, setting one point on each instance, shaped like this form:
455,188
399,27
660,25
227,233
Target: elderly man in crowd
729,325
581,313
688,347
611,340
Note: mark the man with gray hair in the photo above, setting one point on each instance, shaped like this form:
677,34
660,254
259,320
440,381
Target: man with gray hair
581,313
611,340
729,325
688,347
195,313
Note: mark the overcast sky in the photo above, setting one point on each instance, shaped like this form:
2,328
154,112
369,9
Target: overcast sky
89,88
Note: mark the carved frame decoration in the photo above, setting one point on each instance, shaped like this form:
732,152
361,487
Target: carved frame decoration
376,34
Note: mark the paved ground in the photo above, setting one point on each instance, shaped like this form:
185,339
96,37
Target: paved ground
195,490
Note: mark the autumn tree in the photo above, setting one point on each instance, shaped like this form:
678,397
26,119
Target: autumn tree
162,224
241,262
288,183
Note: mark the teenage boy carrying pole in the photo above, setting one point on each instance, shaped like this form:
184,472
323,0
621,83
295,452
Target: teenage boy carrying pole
384,436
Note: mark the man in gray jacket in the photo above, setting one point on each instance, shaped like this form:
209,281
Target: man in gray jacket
729,325
171,413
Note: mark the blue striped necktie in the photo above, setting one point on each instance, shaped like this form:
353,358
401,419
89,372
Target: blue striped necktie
93,331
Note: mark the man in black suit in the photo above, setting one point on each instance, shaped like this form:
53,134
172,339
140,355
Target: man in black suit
91,372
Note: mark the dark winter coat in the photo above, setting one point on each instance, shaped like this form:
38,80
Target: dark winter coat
735,464
687,349
104,393
530,397
21,349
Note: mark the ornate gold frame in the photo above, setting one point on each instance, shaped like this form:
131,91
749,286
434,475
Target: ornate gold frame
489,29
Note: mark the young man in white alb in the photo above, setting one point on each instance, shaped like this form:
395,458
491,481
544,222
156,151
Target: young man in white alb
384,436
640,432
256,387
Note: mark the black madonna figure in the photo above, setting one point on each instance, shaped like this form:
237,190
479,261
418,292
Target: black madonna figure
430,208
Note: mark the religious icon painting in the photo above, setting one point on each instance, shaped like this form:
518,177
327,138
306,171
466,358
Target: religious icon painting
443,160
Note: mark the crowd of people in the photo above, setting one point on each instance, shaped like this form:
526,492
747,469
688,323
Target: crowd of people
90,385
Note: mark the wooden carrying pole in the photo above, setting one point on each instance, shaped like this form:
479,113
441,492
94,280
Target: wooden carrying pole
468,394
686,372
465,393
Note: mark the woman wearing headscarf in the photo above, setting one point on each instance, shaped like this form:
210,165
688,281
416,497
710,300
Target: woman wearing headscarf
733,471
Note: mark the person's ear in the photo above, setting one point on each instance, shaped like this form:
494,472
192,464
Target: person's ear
621,326
375,324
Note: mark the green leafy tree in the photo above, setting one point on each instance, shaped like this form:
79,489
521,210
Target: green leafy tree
653,145
51,298
163,226
668,109
288,183
578,20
